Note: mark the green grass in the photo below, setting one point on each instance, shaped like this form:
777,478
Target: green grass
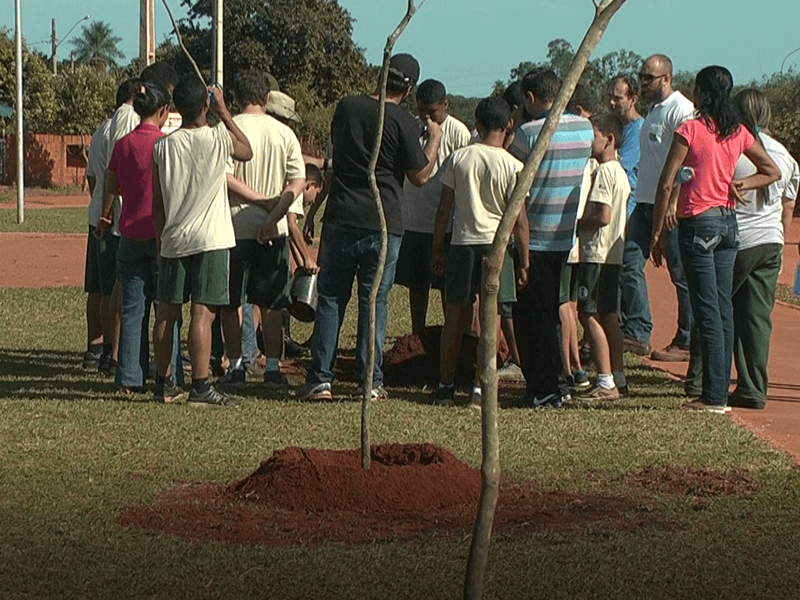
73,452
51,220
785,293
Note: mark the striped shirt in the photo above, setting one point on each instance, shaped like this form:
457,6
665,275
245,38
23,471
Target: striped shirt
555,193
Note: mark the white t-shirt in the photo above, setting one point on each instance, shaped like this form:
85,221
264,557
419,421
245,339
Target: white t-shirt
760,218
420,203
482,178
586,186
123,122
192,164
655,139
98,160
611,187
277,159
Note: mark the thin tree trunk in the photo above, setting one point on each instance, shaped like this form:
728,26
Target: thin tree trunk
490,283
373,183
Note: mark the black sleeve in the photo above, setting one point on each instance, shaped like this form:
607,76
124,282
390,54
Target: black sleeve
411,153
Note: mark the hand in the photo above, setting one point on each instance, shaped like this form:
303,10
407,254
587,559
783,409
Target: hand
735,192
103,225
310,264
438,260
268,231
671,218
522,277
308,230
657,251
218,105
433,130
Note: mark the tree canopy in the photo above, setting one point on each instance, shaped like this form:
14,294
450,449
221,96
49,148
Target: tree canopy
97,45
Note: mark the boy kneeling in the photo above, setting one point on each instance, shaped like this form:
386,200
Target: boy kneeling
601,233
478,180
194,232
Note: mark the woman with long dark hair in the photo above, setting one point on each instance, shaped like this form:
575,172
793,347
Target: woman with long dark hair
711,144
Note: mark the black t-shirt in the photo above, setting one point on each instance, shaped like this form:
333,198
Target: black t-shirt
353,132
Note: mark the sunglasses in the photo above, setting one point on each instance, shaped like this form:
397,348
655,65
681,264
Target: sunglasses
647,78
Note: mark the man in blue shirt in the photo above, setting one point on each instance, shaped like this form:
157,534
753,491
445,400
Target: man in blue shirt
623,94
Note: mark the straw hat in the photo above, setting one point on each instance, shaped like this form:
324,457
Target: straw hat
282,105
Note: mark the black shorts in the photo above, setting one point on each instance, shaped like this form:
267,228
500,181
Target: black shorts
101,264
414,262
463,275
598,288
261,274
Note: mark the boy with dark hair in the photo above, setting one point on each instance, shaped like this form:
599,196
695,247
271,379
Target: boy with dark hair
601,233
420,203
193,229
162,73
267,187
478,181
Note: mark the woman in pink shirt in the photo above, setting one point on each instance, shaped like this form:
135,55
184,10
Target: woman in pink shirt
711,144
130,174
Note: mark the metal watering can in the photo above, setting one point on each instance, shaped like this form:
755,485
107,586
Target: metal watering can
304,295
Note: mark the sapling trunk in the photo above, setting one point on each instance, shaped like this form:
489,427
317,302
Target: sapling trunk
490,283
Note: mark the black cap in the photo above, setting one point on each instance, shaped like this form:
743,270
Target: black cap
407,65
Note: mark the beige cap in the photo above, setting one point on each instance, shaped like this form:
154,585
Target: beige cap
282,105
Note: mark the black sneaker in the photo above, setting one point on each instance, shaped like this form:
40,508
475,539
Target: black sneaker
443,395
275,380
292,349
91,360
107,366
167,392
211,397
233,379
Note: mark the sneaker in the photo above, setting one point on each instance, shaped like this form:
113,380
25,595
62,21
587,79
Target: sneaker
211,397
314,392
510,371
443,395
637,347
233,379
580,381
700,405
476,399
734,399
378,394
601,394
292,349
167,392
624,390
91,360
551,400
275,380
672,353
107,366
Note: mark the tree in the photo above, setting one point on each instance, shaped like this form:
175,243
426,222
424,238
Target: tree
97,46
85,97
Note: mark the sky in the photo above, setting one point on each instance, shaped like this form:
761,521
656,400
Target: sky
468,44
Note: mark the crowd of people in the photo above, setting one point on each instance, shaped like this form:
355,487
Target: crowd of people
203,206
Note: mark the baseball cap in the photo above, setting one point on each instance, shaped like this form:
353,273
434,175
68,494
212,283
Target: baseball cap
407,65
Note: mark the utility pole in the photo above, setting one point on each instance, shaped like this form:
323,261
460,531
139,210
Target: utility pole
20,153
218,48
147,33
55,49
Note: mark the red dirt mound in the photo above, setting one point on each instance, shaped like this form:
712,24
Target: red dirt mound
307,497
402,478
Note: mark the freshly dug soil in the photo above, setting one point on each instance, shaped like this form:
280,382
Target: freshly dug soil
306,497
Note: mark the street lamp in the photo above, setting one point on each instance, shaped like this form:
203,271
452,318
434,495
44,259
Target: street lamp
57,44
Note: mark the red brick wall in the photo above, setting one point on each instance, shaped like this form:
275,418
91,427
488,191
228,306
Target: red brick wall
50,159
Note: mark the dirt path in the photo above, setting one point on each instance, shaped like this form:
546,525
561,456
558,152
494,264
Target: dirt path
35,260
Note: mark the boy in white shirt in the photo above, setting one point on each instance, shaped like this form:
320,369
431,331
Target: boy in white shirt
194,232
477,179
601,233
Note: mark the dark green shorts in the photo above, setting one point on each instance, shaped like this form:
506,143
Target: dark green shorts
261,274
414,262
463,275
598,288
568,288
201,277
101,264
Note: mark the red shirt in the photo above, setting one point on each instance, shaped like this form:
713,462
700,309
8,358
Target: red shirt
714,161
132,159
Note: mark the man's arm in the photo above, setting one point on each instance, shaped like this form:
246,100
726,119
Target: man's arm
159,215
269,229
241,145
110,189
308,226
521,241
419,177
237,187
443,213
595,216
300,251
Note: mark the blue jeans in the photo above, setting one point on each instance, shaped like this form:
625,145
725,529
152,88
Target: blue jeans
678,276
347,253
636,320
137,265
249,342
708,245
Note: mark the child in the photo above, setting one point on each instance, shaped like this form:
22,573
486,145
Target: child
601,233
478,180
260,270
193,230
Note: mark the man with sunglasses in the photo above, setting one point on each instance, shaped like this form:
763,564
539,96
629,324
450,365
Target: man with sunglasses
669,108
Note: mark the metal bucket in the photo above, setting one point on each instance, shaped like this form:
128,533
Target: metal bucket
304,295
